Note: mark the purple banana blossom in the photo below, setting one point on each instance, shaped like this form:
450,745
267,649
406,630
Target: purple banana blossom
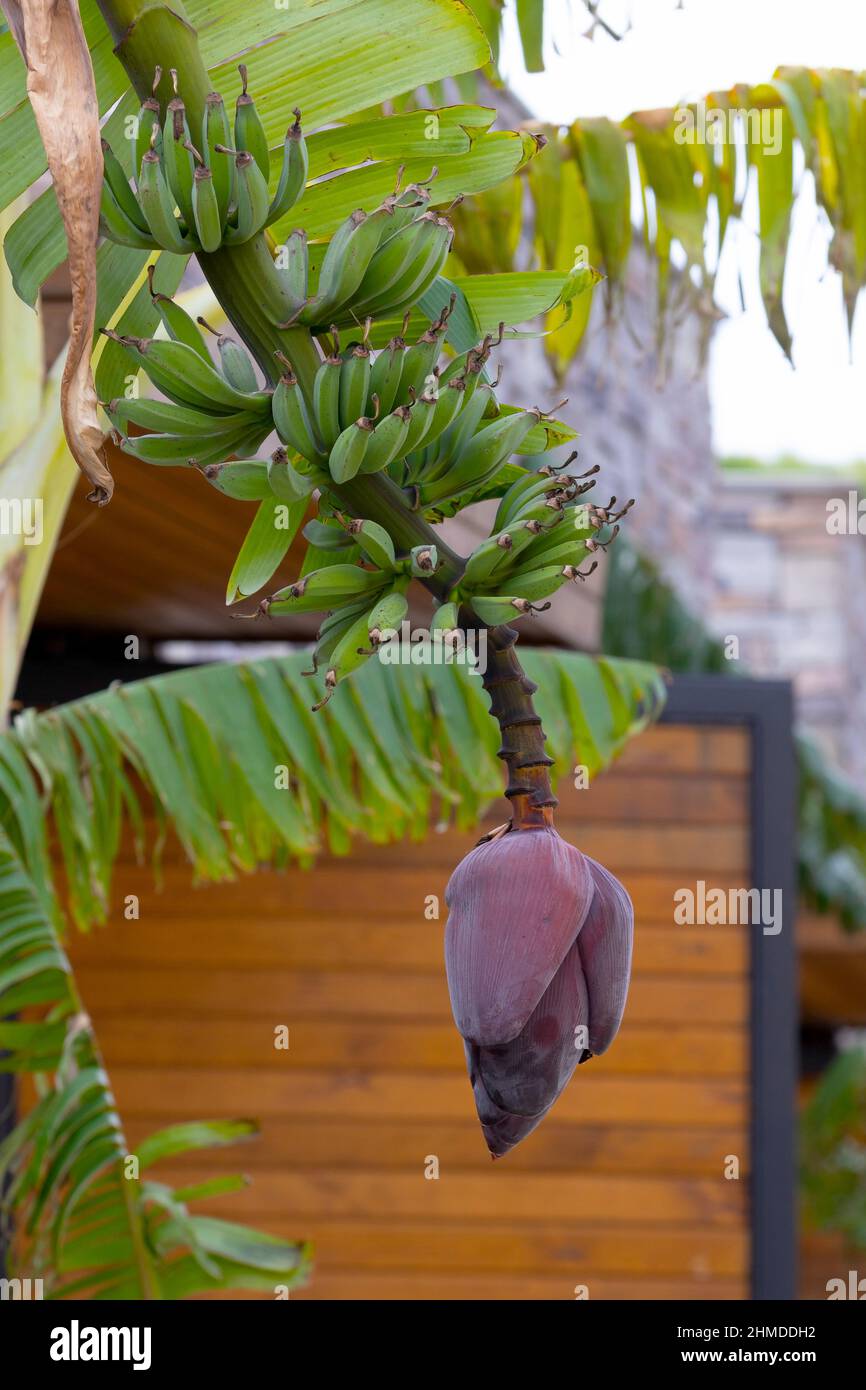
538,953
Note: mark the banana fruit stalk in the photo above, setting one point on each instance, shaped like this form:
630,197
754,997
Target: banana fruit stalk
199,194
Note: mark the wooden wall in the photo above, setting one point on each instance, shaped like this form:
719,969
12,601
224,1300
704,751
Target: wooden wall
622,1188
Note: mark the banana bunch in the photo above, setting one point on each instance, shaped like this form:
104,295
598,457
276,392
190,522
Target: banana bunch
542,534
398,412
376,264
198,194
363,602
211,413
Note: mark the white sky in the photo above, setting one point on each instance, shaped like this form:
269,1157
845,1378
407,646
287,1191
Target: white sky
760,406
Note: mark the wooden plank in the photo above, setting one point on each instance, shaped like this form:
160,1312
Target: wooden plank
600,1098
353,888
301,1196
289,995
697,1252
128,1039
357,943
405,1285
677,748
387,1144
621,795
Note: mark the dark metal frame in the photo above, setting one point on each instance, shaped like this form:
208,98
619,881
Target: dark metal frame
765,708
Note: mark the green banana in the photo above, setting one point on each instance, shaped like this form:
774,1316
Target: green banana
207,219
387,615
235,362
494,610
178,160
157,204
286,483
294,267
292,420
485,559
181,374
347,454
405,206
328,535
148,133
423,561
114,223
249,131
347,656
449,403
216,132
251,198
245,481
446,618
385,375
355,382
178,323
535,584
173,449
115,177
374,542
394,265
346,260
326,398
424,265
163,417
388,440
421,412
332,631
482,457
420,360
293,174
330,587
454,439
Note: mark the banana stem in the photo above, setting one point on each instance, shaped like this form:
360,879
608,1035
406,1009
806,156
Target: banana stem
529,789
248,286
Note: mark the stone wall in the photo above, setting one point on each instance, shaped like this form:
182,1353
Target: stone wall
790,591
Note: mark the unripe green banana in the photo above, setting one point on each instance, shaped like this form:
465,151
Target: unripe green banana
331,587
484,560
235,362
286,483
408,205
181,374
293,268
251,198
388,442
249,131
420,360
375,543
394,266
293,175
115,177
349,653
385,375
207,220
216,131
419,275
346,260
178,160
292,420
494,610
423,561
446,618
347,455
173,449
520,490
387,615
157,204
145,138
421,414
114,223
449,402
326,400
454,439
178,323
328,535
331,632
534,584
164,417
244,481
355,383
482,457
